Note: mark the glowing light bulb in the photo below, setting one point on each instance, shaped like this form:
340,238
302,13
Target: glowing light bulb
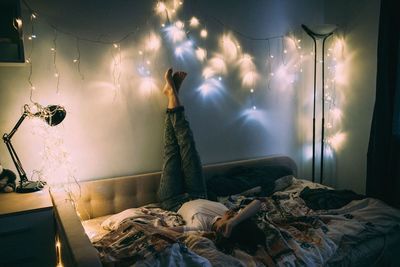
201,54
336,113
271,56
254,107
33,15
75,60
251,90
179,24
115,45
220,78
203,33
19,23
53,49
161,7
140,52
148,62
194,22
153,43
285,51
178,51
163,25
30,38
33,87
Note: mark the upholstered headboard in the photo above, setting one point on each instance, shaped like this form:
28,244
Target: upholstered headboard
113,195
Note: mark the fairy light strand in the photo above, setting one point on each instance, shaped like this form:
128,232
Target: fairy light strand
77,60
56,72
29,60
117,55
116,72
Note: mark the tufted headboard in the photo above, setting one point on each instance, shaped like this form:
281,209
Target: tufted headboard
113,195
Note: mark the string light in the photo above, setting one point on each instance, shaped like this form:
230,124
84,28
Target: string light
216,65
194,22
29,59
116,71
179,24
203,33
201,54
78,59
54,50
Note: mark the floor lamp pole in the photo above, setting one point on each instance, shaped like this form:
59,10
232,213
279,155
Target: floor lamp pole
322,35
323,108
313,125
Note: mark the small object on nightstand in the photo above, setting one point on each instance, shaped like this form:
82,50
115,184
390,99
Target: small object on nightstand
7,180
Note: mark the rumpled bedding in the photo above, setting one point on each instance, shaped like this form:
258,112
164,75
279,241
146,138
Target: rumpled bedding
296,234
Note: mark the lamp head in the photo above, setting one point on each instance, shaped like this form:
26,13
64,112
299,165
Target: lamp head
319,31
54,114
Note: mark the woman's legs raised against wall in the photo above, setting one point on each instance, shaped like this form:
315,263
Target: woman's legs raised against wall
182,177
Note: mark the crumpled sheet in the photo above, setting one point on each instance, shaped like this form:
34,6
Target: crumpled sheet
309,238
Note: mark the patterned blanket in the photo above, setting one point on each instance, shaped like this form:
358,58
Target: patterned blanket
138,240
295,234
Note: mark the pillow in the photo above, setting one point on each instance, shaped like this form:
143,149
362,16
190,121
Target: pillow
241,178
283,182
112,222
154,216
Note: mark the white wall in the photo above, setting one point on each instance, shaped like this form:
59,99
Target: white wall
110,132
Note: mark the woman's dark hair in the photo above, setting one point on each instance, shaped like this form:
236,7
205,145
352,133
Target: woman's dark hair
246,236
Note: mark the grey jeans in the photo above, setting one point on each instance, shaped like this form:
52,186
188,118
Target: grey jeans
182,177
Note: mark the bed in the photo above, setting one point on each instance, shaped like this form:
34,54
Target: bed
93,230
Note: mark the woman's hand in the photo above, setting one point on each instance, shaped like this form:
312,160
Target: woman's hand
226,228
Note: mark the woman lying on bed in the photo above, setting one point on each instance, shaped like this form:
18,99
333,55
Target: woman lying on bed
182,186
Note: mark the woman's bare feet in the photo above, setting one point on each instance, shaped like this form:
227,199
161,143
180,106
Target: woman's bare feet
172,86
178,78
169,87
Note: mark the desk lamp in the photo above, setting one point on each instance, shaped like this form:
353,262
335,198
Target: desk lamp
52,115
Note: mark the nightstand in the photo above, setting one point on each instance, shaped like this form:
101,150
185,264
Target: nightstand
27,230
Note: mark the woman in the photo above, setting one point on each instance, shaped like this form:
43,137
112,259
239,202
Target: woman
182,185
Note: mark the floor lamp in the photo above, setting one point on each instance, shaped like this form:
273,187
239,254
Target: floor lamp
318,33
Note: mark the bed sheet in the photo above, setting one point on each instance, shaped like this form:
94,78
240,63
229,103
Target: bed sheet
343,235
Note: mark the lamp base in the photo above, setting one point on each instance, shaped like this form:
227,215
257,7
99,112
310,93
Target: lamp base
29,186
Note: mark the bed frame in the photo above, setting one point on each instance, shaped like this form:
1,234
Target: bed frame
113,195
